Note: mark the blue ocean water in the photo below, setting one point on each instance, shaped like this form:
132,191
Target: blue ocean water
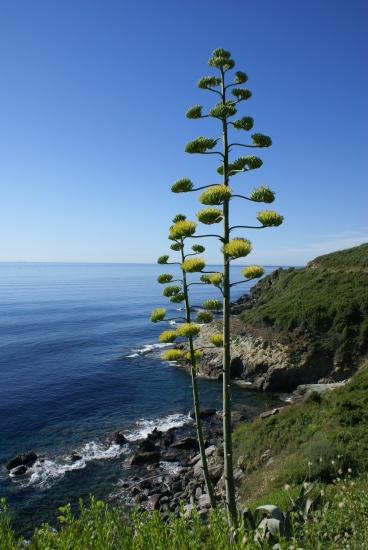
79,360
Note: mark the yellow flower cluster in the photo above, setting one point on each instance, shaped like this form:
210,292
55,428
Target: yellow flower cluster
237,248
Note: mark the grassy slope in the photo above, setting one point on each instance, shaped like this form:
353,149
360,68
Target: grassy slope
312,440
324,305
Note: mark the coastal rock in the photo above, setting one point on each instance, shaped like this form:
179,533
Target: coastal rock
204,413
75,457
141,458
19,470
147,446
119,438
185,443
267,414
24,459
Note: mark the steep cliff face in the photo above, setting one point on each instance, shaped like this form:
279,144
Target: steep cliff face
299,326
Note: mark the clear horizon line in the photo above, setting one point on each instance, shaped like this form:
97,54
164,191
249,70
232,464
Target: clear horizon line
125,263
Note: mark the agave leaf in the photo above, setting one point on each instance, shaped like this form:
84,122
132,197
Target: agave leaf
273,511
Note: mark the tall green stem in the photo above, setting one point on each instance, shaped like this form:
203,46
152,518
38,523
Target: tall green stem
228,448
197,411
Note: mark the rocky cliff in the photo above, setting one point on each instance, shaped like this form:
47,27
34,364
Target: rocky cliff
298,326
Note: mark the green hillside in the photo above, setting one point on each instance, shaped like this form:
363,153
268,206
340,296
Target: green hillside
323,306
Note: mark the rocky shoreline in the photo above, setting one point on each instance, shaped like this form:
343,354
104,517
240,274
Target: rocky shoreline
167,472
165,467
163,470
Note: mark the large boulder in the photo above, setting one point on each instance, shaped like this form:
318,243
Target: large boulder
147,446
204,413
24,459
141,458
119,438
185,443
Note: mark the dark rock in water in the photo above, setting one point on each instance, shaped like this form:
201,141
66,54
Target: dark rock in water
119,438
204,413
25,459
185,443
75,457
147,446
141,458
19,470
154,435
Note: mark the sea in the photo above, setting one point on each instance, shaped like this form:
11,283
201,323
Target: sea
79,360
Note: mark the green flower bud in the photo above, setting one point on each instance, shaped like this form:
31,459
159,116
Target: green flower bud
182,229
176,247
237,248
219,52
242,164
262,194
168,336
182,186
158,314
172,355
241,94
198,248
194,112
177,298
171,291
209,216
204,317
223,111
188,329
212,305
193,265
216,194
245,123
261,141
240,77
200,145
198,354
221,62
164,278
253,272
208,82
269,218
179,218
162,259
217,340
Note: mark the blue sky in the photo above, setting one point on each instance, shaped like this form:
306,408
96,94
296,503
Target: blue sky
93,98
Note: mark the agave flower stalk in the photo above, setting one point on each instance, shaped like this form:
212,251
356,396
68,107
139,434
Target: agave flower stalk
181,230
221,195
193,371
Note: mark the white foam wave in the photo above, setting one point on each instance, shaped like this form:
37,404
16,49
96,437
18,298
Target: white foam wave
46,471
148,348
145,427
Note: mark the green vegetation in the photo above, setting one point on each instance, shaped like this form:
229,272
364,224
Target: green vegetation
339,522
325,304
316,440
